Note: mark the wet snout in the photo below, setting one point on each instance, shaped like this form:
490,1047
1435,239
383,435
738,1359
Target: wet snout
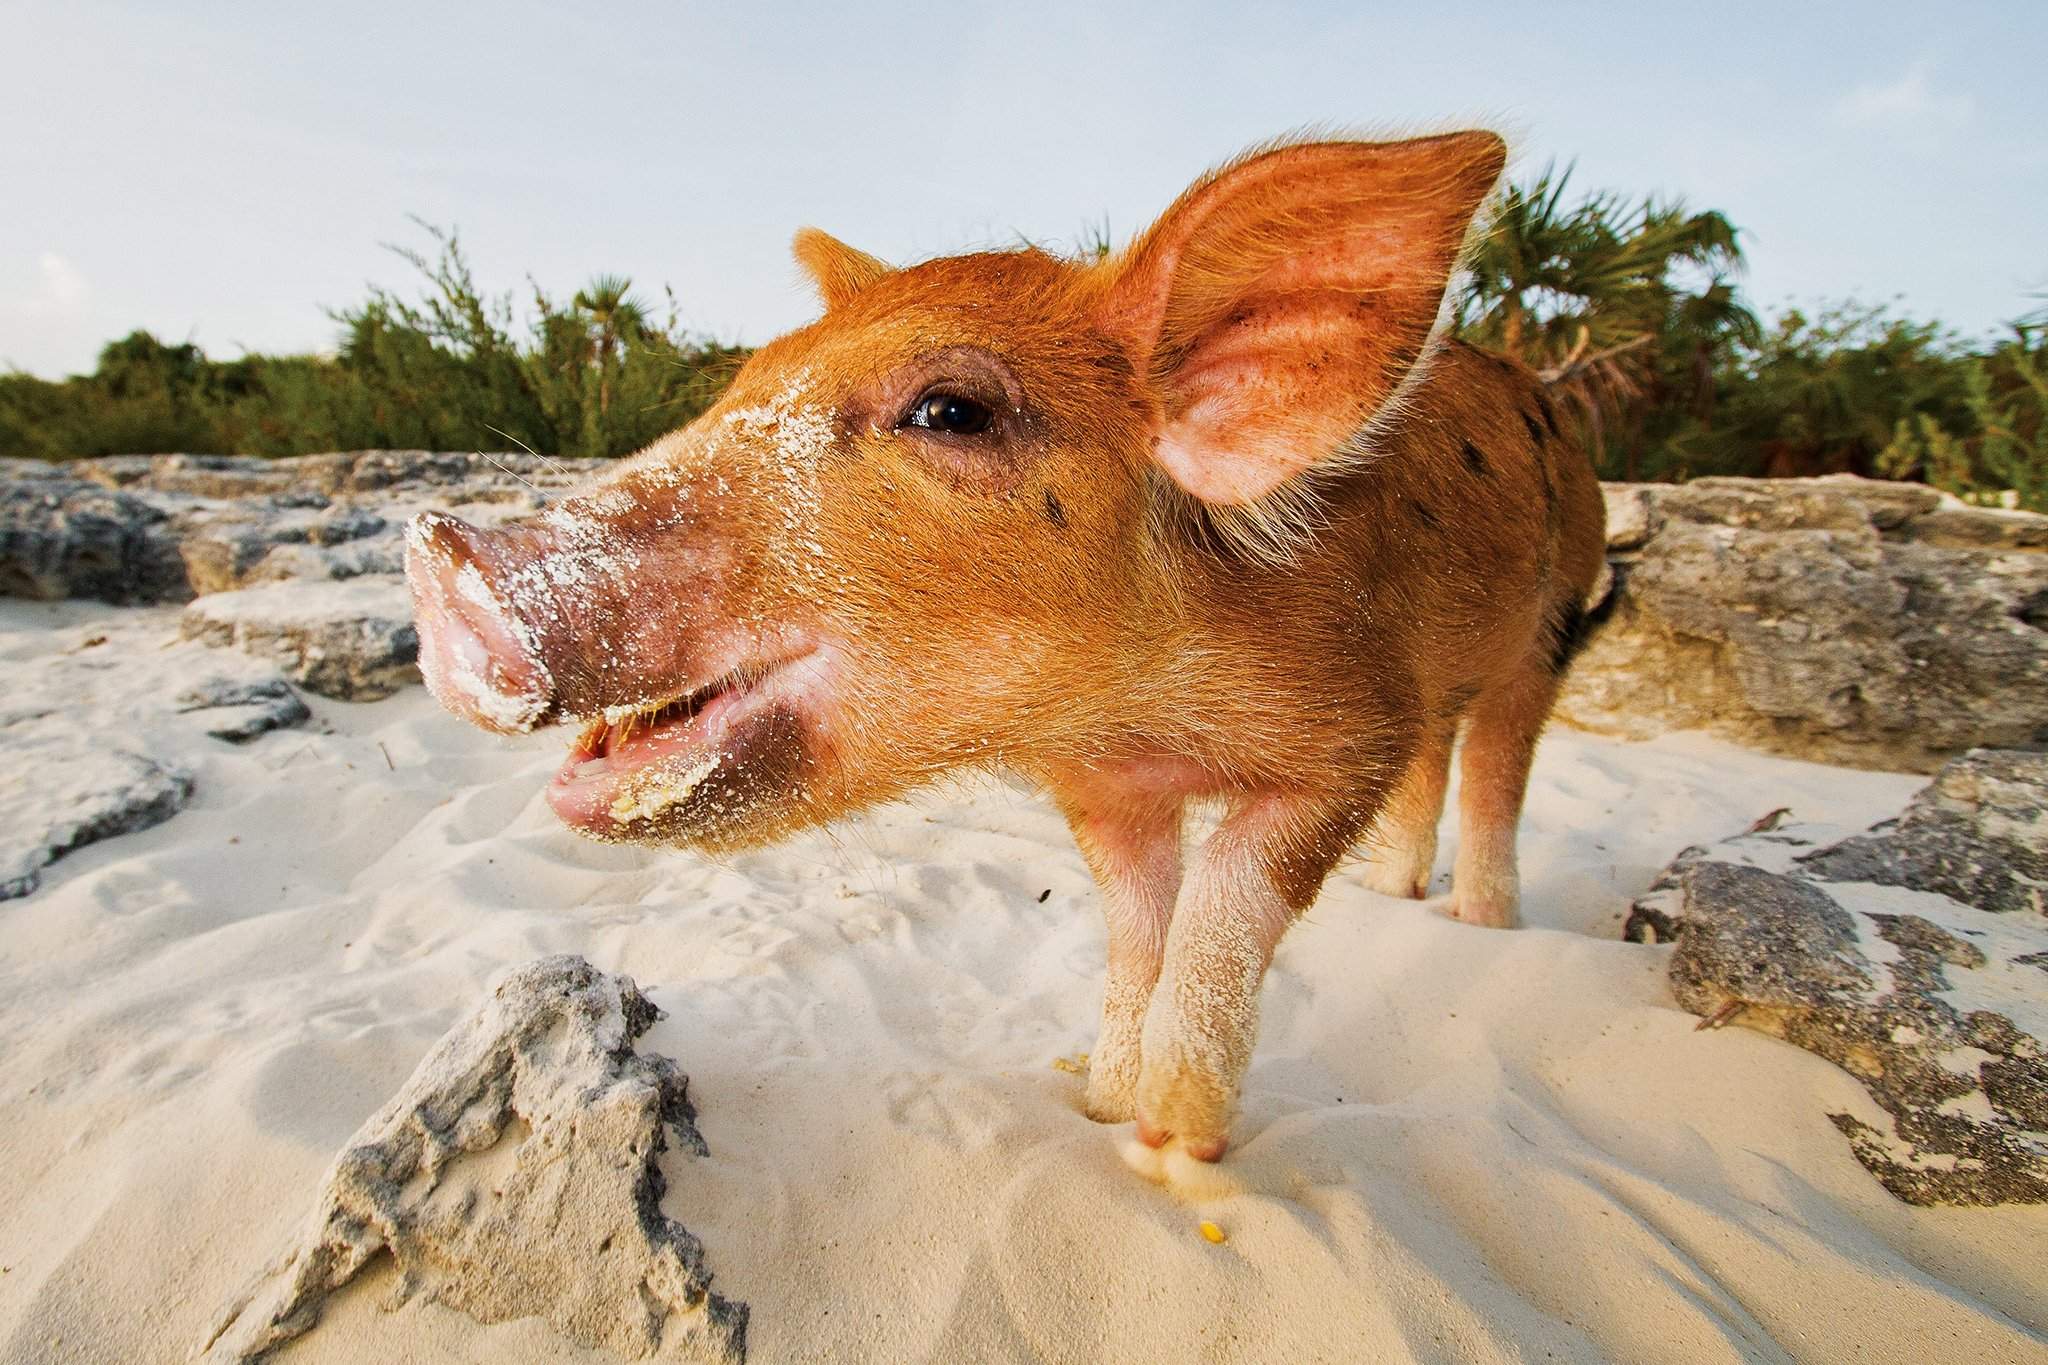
481,658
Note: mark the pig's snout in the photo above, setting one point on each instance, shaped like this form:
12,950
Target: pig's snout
480,659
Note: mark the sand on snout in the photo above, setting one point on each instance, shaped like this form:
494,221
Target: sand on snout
1456,1144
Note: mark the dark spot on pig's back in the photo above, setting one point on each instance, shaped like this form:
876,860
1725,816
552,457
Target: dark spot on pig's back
1546,560
1573,626
1535,430
1424,515
1055,513
1475,459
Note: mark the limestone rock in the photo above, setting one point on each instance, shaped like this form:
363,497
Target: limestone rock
335,475
65,795
64,537
1988,528
1915,956
237,709
274,540
352,639
164,528
377,554
1977,834
203,476
496,477
1832,619
513,1176
74,780
1628,514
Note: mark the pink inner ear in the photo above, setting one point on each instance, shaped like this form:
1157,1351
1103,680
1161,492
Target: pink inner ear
1224,478
1283,300
1291,373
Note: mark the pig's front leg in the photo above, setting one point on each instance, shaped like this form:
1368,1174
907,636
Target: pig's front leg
1257,873
1132,845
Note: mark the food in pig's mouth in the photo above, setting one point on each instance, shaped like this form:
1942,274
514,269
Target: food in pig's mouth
635,764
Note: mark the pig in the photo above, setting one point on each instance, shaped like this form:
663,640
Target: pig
1222,518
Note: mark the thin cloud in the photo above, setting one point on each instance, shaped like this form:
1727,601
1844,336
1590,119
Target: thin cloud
63,288
46,315
1909,106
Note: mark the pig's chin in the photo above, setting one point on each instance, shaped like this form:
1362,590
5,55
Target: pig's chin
711,767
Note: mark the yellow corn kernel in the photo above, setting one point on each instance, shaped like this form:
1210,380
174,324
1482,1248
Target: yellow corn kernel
1213,1233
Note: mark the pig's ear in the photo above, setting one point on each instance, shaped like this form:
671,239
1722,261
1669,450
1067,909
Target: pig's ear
1282,300
836,269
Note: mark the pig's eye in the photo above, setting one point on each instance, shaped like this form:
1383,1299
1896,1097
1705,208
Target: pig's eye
949,412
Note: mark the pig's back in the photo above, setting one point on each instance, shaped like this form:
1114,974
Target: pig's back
1478,525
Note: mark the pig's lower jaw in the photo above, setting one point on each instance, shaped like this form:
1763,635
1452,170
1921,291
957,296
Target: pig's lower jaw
702,770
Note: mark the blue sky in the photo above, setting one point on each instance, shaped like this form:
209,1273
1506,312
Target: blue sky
220,172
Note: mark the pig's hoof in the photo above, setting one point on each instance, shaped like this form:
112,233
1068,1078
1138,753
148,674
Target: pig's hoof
1487,914
1187,1107
1201,1149
1396,876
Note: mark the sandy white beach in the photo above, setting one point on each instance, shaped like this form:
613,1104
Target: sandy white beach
1456,1144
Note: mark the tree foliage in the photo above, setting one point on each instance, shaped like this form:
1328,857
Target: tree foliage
448,369
1632,311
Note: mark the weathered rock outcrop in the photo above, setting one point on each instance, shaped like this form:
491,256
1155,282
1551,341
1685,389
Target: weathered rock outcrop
352,639
514,1176
294,560
1977,834
65,537
1913,956
290,542
166,528
73,779
1844,620
80,794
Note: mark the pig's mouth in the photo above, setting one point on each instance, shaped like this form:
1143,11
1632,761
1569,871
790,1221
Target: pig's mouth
641,772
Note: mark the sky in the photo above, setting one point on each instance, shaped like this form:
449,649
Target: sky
225,173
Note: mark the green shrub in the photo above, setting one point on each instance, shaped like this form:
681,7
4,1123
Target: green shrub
597,375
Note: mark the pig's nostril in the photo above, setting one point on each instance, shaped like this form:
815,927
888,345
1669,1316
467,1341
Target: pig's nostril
443,542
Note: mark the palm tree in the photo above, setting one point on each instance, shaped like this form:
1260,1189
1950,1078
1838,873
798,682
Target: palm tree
2038,319
1593,296
1701,329
613,319
1542,272
617,319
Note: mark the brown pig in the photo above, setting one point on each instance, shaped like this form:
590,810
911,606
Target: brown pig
1217,518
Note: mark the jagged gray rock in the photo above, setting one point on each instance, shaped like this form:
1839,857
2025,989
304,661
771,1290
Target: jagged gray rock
279,541
65,537
1978,834
165,528
352,638
1914,956
375,554
514,1175
1844,620
78,794
71,785
237,709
